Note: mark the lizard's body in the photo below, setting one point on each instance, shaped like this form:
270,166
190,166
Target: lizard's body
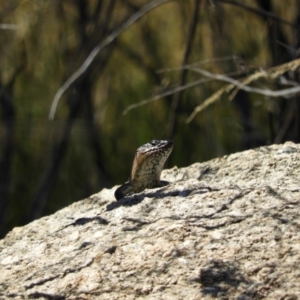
146,169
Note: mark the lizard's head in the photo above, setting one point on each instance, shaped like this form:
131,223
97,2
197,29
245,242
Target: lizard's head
149,161
156,147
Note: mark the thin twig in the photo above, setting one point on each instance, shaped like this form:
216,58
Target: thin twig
241,85
272,73
9,27
196,64
164,94
260,12
208,102
170,92
266,92
97,49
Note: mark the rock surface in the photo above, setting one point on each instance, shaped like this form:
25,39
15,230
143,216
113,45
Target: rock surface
228,228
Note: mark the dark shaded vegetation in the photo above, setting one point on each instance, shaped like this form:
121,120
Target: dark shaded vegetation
47,164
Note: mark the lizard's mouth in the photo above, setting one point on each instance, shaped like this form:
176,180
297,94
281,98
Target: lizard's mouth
169,143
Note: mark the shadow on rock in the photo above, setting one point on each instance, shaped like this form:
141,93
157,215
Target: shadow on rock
138,198
218,277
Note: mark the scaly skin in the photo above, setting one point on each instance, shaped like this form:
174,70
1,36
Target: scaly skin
147,166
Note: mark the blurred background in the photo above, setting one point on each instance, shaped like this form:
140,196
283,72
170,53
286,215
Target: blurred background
144,83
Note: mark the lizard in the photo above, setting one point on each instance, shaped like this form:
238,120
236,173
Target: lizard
146,168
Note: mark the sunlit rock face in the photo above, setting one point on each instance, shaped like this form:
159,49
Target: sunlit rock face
226,228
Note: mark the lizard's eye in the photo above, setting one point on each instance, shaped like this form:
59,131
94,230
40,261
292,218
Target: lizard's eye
154,142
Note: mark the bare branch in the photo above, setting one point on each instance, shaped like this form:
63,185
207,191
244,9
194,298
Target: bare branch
272,73
9,27
241,85
236,83
170,92
196,64
208,102
97,49
167,93
284,81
